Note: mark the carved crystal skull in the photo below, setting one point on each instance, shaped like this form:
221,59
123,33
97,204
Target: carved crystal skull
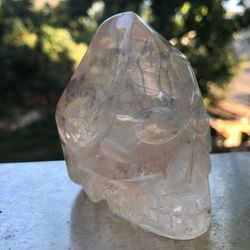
135,132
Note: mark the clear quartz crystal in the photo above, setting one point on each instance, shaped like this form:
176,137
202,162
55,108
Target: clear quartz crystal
135,132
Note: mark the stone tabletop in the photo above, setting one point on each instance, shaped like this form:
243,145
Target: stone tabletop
40,208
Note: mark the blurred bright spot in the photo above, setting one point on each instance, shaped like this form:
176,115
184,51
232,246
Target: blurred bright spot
234,138
203,10
30,39
191,34
173,41
179,20
244,120
185,8
231,130
146,11
232,6
39,4
96,9
19,35
198,18
206,101
184,40
76,52
52,44
203,51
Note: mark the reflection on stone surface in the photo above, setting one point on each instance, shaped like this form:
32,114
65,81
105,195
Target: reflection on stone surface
135,132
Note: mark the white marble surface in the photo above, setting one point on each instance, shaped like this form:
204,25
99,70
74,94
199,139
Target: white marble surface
42,209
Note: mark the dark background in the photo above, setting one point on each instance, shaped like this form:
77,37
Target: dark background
41,42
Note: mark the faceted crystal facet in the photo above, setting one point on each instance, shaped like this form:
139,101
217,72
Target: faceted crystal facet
135,132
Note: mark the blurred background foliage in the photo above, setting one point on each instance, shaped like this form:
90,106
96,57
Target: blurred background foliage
42,41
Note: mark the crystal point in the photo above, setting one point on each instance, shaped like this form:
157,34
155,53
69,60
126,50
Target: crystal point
135,132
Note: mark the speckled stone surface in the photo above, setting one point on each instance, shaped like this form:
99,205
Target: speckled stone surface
42,209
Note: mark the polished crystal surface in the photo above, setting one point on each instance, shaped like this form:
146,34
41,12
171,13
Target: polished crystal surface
135,132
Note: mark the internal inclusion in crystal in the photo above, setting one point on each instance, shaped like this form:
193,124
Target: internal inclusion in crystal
135,132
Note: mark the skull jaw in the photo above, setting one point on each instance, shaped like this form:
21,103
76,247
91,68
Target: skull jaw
165,223
145,202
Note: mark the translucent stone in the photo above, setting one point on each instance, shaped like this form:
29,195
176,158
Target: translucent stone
135,132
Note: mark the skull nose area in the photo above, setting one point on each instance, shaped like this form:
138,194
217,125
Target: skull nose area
157,125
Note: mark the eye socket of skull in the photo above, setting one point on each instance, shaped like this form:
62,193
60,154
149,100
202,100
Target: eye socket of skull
80,129
157,125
